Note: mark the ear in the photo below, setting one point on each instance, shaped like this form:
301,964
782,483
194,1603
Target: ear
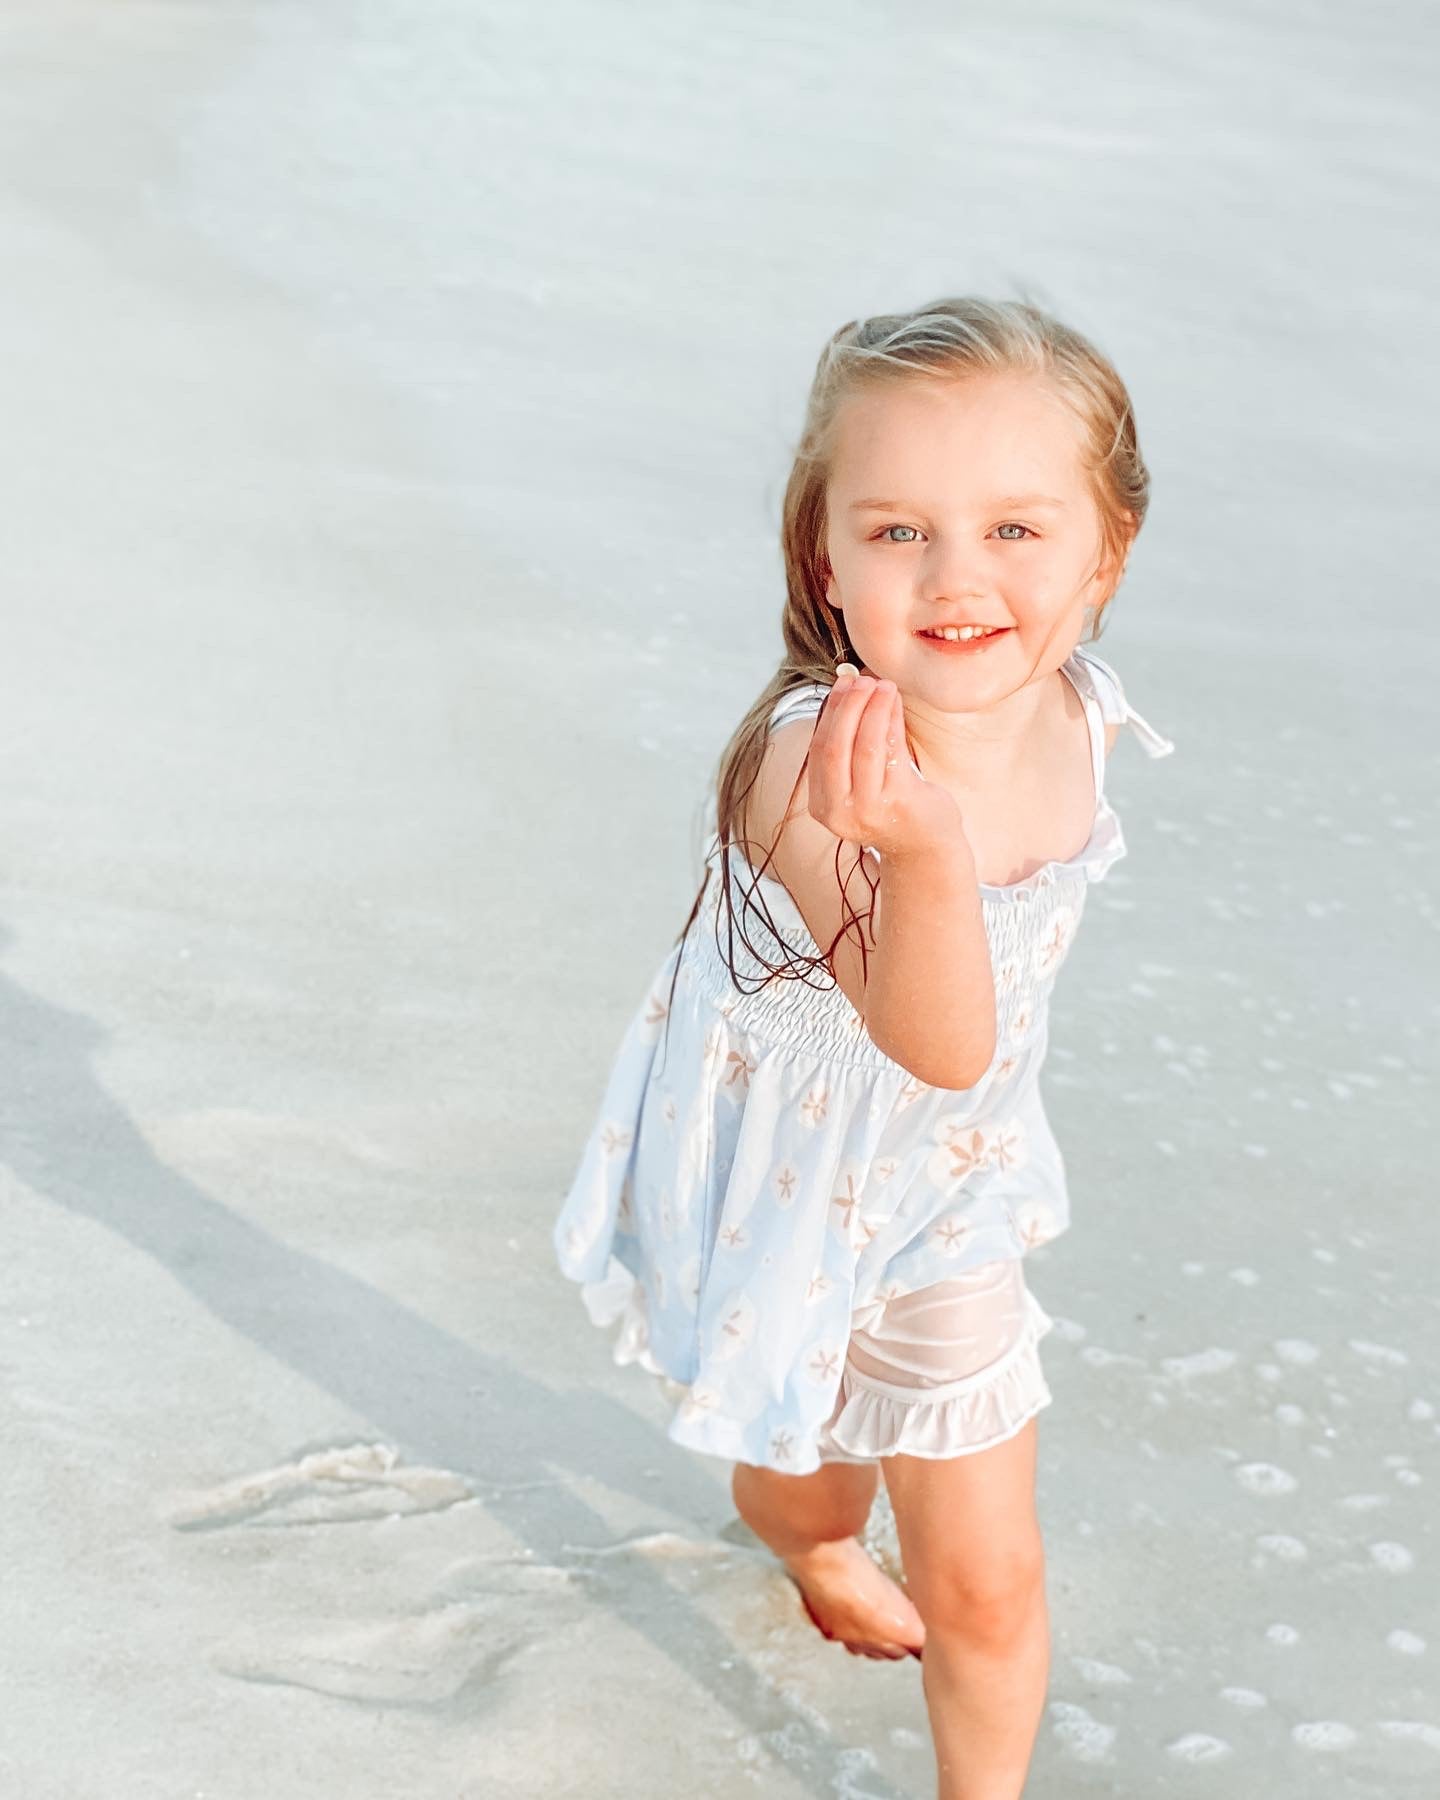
1112,567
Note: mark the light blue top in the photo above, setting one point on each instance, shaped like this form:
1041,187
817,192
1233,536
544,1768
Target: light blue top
745,1195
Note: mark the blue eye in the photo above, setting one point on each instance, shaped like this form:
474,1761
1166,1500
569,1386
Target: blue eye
1009,525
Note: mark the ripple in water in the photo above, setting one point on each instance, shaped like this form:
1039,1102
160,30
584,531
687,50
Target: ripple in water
1265,1478
1323,1734
1198,1747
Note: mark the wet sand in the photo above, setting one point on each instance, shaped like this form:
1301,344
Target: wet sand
399,404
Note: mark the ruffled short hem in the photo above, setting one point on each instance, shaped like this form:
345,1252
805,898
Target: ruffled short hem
873,1418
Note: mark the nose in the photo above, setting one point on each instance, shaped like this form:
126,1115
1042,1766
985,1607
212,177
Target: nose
954,572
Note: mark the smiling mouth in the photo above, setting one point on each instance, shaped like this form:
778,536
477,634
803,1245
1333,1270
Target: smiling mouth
962,645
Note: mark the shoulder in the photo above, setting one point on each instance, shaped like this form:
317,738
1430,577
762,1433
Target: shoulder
791,726
780,792
814,867
803,702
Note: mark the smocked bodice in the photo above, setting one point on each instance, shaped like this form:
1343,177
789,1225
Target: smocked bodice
1030,924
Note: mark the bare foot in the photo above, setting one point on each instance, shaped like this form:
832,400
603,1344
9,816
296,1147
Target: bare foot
855,1603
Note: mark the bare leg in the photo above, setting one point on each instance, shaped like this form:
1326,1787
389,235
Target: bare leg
812,1523
974,1563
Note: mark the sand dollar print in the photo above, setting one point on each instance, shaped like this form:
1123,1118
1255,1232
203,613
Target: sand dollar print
782,1445
815,1107
817,1287
1035,1223
951,1233
613,1139
963,1149
1009,1147
625,1211
785,1184
823,1364
845,1206
735,1073
1007,975
736,1328
653,1015
1054,941
698,1401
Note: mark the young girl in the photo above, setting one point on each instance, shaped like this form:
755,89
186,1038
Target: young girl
822,1154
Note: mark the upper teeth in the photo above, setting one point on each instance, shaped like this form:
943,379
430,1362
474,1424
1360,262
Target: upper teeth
963,631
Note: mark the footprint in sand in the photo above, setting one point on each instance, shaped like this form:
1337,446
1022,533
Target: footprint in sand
360,1481
422,1660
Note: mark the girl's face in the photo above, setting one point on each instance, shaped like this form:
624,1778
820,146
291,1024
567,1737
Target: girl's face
962,502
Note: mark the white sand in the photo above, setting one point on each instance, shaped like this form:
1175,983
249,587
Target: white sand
397,407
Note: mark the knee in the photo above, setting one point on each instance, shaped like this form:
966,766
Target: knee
989,1599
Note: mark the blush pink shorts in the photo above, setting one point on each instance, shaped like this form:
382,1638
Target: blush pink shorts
947,1370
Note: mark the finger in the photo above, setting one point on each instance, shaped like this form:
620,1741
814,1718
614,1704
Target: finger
829,764
834,752
831,708
867,757
896,753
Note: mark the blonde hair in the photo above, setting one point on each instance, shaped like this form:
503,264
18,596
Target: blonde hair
947,339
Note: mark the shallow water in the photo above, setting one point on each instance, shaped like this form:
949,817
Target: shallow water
400,398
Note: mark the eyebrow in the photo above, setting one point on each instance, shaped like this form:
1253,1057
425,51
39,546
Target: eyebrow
904,505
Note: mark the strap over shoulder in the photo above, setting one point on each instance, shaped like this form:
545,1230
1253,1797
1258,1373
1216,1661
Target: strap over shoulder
800,703
1115,709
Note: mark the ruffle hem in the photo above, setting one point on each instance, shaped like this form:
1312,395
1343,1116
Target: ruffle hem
872,1418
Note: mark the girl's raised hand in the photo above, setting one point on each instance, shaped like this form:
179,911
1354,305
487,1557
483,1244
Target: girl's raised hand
863,786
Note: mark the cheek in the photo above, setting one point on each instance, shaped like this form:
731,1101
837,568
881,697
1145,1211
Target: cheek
881,584
1041,589
880,617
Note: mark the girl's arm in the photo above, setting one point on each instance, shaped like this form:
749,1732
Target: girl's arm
925,990
931,991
